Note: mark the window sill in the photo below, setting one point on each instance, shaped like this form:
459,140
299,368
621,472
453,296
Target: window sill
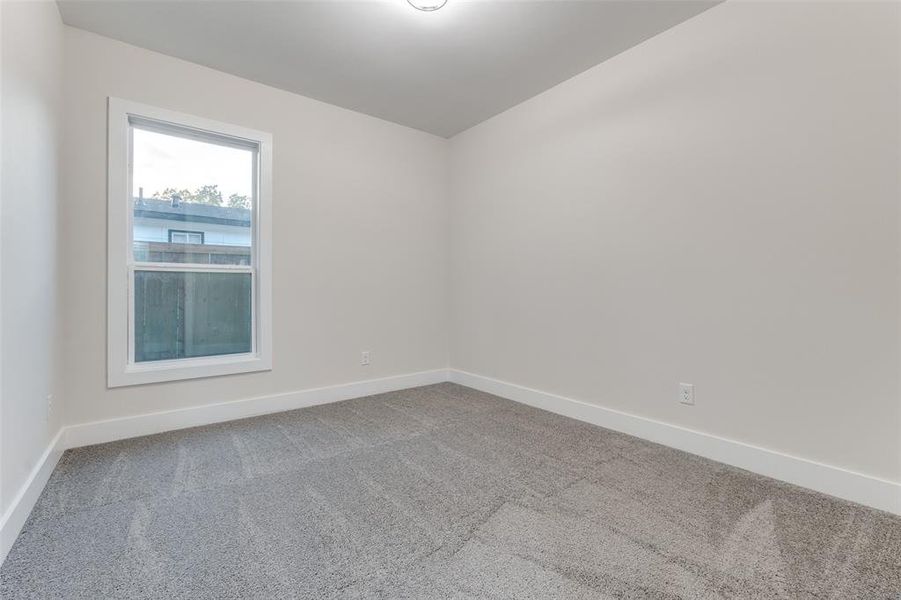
188,368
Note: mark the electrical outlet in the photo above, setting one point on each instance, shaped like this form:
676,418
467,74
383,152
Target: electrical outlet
364,358
49,405
687,393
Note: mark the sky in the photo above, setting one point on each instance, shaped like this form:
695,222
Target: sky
162,161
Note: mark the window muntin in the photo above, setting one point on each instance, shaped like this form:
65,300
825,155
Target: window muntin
215,318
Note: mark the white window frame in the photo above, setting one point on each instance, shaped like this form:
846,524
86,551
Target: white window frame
171,233
122,370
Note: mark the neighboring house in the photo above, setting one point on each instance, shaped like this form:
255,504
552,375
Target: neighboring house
174,231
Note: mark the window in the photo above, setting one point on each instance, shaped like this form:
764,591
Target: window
189,246
185,237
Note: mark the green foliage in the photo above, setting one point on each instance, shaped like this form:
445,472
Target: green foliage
168,193
236,201
205,194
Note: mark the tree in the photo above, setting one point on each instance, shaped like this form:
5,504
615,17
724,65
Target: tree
168,193
205,194
208,194
236,201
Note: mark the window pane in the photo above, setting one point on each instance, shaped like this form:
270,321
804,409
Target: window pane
185,314
202,190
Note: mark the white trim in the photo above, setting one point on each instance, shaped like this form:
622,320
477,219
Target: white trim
178,267
98,432
856,487
14,518
189,368
842,483
121,368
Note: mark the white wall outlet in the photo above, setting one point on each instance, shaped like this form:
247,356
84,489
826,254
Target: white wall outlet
364,358
687,393
49,406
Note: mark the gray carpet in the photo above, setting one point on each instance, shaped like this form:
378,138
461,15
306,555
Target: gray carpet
436,492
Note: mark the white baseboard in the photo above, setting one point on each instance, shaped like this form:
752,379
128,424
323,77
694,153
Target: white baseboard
856,487
15,516
99,432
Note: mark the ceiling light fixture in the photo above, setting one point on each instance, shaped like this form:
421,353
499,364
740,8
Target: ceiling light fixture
427,5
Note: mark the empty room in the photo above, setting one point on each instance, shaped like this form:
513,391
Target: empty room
425,299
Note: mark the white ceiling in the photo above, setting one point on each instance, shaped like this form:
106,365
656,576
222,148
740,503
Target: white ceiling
440,72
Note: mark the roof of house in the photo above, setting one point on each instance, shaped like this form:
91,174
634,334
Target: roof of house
154,208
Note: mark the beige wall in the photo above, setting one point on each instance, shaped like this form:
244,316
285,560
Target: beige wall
719,206
360,232
31,35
